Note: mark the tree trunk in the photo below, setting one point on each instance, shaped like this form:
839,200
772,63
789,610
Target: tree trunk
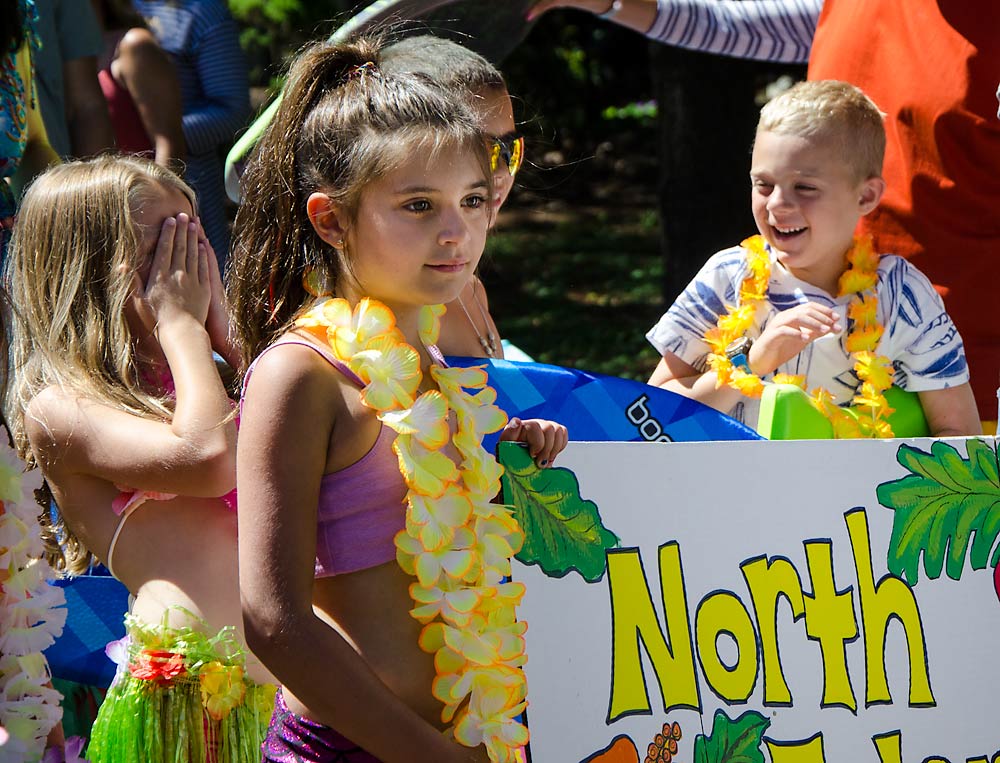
707,118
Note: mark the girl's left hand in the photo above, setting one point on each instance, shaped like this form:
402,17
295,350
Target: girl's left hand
545,439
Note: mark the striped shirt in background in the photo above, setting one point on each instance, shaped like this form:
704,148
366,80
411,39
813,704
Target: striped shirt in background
765,30
202,39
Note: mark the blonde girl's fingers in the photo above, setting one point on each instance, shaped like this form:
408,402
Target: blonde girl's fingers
193,250
204,268
178,259
162,256
213,266
202,236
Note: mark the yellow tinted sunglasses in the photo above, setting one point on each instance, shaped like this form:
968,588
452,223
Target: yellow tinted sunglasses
508,149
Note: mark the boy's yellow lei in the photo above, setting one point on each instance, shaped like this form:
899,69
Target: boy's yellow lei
457,543
874,371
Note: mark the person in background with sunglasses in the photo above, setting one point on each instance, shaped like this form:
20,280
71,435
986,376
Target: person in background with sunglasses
467,328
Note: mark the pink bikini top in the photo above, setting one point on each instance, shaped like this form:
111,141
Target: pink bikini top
361,507
130,499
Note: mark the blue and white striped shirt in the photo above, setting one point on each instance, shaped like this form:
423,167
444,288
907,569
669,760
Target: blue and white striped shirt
765,30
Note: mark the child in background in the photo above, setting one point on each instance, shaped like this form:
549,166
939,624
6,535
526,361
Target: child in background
117,305
468,328
806,301
374,188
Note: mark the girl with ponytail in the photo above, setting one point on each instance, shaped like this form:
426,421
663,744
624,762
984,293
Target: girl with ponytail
372,559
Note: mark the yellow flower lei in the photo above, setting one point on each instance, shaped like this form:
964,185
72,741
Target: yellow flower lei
875,371
457,542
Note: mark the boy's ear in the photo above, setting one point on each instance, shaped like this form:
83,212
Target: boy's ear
327,218
870,194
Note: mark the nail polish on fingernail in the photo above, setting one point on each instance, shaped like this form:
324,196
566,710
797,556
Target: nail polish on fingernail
543,462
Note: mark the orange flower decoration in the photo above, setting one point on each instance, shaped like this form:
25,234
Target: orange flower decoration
158,665
664,745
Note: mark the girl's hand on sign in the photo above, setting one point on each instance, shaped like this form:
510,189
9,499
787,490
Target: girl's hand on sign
545,439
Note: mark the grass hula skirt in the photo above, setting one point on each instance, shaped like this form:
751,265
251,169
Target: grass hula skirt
180,696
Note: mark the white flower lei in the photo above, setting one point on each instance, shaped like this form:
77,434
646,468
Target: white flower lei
31,616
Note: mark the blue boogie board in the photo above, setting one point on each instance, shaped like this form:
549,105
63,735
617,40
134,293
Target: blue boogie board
96,605
598,408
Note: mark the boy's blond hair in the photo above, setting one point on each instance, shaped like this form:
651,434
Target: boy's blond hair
834,111
69,271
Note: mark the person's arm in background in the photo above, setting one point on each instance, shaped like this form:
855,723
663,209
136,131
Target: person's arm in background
80,42
766,30
222,72
149,76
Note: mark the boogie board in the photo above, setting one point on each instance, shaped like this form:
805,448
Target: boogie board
96,606
598,408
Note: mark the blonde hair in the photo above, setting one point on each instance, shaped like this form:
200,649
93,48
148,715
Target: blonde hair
833,111
69,274
342,124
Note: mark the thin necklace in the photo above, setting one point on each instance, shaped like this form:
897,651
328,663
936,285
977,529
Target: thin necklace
488,342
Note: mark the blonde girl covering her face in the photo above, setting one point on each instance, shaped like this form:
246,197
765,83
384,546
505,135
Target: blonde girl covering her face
116,306
375,186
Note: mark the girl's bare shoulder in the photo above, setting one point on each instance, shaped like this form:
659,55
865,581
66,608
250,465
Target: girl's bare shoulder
296,372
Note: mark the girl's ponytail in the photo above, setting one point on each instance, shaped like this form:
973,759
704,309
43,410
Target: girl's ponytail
274,241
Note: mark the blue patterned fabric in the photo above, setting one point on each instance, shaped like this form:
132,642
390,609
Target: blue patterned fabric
15,96
765,30
96,605
920,338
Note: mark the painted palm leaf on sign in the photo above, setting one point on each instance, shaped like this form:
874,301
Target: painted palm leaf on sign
946,507
732,741
562,531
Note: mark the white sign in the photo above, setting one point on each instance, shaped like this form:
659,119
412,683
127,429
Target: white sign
794,602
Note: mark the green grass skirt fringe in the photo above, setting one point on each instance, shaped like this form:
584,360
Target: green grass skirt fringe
164,720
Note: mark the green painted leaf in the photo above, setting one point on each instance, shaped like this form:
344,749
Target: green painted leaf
562,531
947,507
732,741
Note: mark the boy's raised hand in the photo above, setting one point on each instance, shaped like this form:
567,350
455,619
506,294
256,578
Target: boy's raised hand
545,439
178,282
789,333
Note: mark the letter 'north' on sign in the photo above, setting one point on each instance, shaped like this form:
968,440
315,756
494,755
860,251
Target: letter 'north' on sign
634,622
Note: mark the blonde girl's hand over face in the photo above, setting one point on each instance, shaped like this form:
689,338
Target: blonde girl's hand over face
179,284
217,322
545,439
